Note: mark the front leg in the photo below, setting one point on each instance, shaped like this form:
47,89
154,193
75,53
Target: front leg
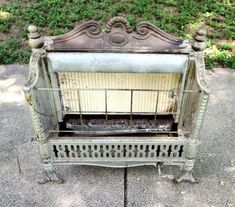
186,173
50,175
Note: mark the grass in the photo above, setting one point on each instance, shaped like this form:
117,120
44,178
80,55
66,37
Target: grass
179,17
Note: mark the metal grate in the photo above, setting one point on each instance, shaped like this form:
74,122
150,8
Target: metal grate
127,89
111,94
116,151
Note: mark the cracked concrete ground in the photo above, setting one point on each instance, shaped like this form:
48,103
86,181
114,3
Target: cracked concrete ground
96,186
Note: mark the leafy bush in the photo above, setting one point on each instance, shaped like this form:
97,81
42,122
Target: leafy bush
55,17
12,50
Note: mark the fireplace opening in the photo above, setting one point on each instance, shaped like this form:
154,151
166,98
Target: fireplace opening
117,125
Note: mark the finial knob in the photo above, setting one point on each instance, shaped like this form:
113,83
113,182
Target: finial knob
32,28
199,43
35,40
33,32
201,32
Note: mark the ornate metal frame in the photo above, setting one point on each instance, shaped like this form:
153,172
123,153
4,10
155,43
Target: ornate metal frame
117,37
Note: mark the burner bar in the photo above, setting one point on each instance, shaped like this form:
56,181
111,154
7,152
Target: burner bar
115,132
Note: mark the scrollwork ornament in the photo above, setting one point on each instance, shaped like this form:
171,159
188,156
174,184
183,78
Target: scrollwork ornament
93,29
143,28
118,20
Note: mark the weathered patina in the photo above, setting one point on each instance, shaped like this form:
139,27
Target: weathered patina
101,97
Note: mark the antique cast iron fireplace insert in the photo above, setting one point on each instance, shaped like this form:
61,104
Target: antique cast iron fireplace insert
117,98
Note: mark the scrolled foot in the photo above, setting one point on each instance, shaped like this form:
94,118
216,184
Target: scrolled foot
49,175
186,173
185,176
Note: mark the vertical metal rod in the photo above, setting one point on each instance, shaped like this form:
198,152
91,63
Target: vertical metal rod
131,107
173,108
180,96
186,96
71,98
106,108
79,105
155,115
50,92
125,187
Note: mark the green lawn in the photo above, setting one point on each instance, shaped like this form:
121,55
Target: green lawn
179,17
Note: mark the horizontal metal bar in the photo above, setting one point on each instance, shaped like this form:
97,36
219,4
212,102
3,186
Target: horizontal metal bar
106,132
119,113
110,139
117,62
115,89
121,164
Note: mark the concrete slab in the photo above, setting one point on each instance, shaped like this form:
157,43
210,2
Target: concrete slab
84,186
96,186
215,165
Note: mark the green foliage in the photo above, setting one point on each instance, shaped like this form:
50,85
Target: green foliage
179,17
5,21
221,54
12,50
225,47
220,60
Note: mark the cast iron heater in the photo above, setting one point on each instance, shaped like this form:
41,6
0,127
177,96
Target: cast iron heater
117,98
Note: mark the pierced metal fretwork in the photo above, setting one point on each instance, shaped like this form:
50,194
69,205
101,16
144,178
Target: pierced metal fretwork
84,151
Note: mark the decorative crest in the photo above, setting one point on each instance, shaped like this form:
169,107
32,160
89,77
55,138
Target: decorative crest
117,37
118,20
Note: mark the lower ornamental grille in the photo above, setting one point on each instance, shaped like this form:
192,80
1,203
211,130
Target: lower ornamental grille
99,151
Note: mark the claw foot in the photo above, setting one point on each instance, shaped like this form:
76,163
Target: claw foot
186,173
49,175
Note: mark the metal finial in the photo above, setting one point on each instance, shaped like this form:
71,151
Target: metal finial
35,40
199,43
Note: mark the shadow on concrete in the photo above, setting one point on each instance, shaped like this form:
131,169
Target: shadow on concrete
84,186
215,161
97,186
